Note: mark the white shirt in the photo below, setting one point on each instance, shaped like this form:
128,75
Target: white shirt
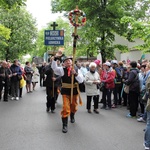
60,71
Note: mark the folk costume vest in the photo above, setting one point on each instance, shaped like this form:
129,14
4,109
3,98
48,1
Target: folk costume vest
67,79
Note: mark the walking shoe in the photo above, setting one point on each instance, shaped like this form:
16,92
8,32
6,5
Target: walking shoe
113,106
108,108
52,111
96,111
47,109
12,98
103,107
72,119
141,119
65,124
89,111
17,98
6,100
146,148
129,116
140,115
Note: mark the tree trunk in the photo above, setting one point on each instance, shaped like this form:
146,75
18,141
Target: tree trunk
103,52
103,48
7,54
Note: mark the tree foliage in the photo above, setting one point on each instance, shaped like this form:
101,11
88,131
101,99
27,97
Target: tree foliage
139,30
23,32
9,4
4,34
104,19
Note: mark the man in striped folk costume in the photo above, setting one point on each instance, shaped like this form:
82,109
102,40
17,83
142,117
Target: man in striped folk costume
69,107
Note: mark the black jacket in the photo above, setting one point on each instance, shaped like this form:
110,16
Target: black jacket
49,82
133,80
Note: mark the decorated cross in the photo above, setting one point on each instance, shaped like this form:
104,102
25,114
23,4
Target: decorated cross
77,18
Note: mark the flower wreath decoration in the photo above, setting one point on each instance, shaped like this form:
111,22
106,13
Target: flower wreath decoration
81,17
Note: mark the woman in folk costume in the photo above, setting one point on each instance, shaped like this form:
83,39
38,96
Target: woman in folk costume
69,106
35,77
92,79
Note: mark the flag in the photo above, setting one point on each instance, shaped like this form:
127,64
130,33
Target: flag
142,57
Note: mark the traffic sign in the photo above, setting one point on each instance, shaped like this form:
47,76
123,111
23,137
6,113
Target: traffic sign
54,37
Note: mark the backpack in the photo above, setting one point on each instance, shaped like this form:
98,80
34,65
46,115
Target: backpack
118,78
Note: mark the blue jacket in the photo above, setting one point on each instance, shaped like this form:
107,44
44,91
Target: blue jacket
144,80
15,69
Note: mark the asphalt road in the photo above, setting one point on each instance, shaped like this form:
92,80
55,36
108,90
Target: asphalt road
25,125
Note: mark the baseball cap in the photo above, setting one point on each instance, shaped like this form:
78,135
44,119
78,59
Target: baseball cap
114,62
107,63
97,62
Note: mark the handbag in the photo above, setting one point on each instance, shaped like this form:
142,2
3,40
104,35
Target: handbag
22,83
126,89
19,77
102,86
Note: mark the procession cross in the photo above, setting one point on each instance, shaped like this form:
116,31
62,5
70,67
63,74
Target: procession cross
74,48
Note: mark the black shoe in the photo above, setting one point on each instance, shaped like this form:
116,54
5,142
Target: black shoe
5,100
96,111
72,118
89,111
108,108
65,122
103,107
52,111
47,109
64,129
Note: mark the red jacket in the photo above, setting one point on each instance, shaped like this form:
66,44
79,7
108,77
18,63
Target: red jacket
108,78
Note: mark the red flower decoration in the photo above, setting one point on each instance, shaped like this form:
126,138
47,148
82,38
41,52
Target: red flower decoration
81,20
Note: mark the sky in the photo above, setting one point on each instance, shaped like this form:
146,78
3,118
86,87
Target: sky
41,10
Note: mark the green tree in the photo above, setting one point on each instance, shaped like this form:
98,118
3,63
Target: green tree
138,29
104,17
8,4
4,35
23,33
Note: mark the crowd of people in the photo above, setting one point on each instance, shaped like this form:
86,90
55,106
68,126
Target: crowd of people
13,77
102,83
